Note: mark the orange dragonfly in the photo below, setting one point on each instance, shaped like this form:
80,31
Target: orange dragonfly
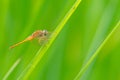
39,34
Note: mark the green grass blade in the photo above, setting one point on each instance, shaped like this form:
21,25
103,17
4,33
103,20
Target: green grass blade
96,53
11,69
25,74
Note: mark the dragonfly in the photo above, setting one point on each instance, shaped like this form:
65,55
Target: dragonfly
39,34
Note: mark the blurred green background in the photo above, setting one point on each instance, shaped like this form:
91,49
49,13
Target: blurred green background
83,33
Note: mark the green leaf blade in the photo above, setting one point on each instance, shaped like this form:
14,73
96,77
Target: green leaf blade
96,52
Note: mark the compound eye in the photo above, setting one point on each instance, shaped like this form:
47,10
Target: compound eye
45,32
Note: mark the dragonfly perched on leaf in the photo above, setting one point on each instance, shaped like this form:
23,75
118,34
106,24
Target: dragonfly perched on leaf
39,34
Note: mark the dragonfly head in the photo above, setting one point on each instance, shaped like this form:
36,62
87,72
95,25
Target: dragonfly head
45,32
